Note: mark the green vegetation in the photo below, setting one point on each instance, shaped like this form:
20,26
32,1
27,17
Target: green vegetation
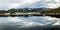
21,10
26,10
56,10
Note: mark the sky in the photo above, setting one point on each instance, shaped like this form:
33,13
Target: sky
8,4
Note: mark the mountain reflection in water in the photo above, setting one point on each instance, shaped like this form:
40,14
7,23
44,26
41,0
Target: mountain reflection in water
29,23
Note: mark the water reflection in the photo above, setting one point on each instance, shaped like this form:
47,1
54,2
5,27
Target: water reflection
27,23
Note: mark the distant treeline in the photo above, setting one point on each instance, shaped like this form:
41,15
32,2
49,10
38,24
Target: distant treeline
55,10
22,10
41,10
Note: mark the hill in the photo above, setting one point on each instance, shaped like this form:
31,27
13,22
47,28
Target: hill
56,10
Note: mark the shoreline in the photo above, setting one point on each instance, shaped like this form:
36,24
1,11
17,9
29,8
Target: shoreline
56,16
32,15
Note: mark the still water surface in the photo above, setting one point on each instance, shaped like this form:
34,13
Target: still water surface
18,23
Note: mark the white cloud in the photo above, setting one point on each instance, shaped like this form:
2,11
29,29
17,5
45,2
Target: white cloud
14,5
53,5
7,4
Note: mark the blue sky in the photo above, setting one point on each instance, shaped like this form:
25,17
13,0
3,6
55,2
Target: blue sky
8,4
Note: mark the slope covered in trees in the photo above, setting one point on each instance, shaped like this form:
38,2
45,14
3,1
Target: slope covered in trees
56,10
